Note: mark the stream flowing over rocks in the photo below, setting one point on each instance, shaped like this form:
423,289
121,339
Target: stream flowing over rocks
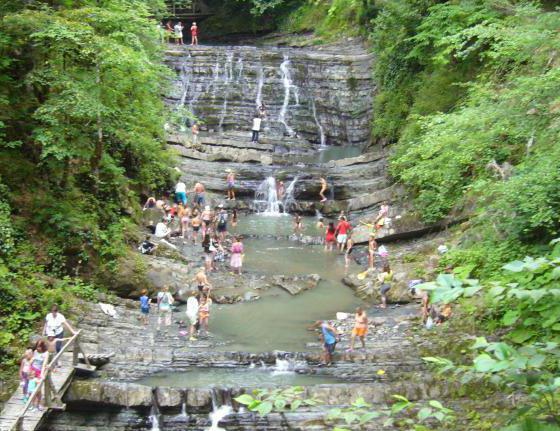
319,112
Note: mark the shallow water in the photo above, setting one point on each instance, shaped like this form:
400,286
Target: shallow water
279,321
278,225
234,377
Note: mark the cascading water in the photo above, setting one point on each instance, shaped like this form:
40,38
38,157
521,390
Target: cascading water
155,415
227,78
219,411
289,201
287,83
185,76
322,136
266,198
260,84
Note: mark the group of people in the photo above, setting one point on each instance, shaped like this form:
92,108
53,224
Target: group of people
33,365
175,31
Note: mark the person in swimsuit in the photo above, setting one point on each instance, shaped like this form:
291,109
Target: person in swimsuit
320,223
379,221
324,187
230,179
185,219
360,328
372,250
25,372
280,190
204,312
195,130
330,237
196,222
298,224
202,283
207,217
199,192
341,232
194,34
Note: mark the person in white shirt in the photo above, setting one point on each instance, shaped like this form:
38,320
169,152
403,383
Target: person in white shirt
256,129
181,193
162,231
54,326
179,33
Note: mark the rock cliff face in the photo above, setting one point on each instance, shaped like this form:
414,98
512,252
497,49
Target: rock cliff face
324,95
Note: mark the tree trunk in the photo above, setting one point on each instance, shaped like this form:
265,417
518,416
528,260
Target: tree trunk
95,160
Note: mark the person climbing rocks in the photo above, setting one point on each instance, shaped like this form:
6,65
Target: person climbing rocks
194,34
199,192
385,278
221,224
360,328
230,180
207,217
181,193
330,237
372,250
195,130
324,187
185,219
164,302
261,112
236,260
145,307
256,129
342,229
204,313
150,203
147,246
54,326
329,337
179,33
381,218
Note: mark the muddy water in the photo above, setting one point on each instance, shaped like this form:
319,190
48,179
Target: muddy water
279,321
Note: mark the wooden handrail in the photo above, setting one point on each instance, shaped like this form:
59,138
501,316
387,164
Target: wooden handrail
72,340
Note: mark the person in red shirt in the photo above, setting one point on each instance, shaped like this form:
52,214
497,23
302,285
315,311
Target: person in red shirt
342,230
194,34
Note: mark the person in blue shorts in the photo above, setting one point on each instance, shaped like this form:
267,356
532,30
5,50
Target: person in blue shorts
145,306
329,336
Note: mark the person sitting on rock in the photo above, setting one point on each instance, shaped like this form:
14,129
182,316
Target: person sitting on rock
162,231
147,247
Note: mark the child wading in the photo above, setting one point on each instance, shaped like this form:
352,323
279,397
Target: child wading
237,255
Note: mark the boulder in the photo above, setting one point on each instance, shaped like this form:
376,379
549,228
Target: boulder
296,284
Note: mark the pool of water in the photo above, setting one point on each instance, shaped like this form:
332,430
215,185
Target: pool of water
279,321
278,225
234,377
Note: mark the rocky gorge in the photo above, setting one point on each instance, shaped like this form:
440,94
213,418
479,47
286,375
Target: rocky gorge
319,108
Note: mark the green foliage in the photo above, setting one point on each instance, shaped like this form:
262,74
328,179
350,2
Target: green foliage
279,400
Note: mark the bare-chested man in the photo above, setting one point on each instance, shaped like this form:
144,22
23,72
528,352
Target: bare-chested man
230,180
202,283
360,328
324,187
207,217
199,192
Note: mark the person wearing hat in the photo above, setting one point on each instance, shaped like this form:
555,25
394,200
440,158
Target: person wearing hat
230,180
221,225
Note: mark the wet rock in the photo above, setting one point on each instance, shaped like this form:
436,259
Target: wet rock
296,284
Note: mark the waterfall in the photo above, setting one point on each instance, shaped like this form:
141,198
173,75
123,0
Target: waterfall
227,78
184,414
219,411
215,78
260,84
287,83
267,195
155,415
322,135
289,201
185,77
239,68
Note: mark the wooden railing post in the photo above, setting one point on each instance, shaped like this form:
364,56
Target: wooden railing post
75,350
49,389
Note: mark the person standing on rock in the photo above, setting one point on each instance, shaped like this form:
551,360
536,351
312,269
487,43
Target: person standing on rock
236,260
179,33
385,278
349,249
207,217
202,283
324,187
256,129
164,302
199,192
281,190
360,328
372,250
196,222
181,193
195,130
328,335
230,180
145,307
194,34
379,221
221,225
192,315
204,313
342,230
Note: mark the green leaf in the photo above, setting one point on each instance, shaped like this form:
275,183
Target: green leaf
520,335
436,404
480,342
510,317
367,417
244,399
483,363
295,405
515,266
264,408
424,413
279,404
360,403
